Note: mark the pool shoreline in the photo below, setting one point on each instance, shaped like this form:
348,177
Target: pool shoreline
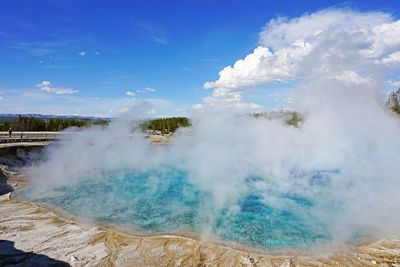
130,231
46,229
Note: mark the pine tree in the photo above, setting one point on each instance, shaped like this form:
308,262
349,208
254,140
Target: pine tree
393,102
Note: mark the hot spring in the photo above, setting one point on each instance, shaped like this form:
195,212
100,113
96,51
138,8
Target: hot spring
164,201
287,188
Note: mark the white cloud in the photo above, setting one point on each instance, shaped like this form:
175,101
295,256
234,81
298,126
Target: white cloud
147,89
83,53
1,97
288,100
392,59
48,87
335,44
129,93
281,32
394,83
97,53
151,112
123,110
262,66
42,102
351,77
44,83
385,38
197,106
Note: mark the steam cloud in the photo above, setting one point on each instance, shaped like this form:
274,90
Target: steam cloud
342,58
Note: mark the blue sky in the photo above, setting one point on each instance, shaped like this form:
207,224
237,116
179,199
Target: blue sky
94,52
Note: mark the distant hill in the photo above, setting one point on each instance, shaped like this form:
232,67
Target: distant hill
9,116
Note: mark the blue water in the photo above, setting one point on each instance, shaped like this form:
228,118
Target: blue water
164,201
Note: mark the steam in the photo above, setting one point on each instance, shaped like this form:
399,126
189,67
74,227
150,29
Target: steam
344,157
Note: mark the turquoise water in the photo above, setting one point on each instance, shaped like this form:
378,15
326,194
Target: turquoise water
164,201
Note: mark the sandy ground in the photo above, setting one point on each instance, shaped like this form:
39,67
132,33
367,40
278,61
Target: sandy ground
25,144
160,139
32,132
31,235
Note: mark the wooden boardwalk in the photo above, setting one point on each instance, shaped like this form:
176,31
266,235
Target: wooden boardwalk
28,137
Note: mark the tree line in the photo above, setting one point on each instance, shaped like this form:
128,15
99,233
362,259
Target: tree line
22,123
393,101
166,125
292,118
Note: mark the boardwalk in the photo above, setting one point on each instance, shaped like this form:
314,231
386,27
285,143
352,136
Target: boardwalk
28,137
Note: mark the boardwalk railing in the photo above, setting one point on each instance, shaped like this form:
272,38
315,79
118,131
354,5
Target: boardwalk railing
28,137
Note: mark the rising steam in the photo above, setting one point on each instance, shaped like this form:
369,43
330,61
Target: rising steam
344,157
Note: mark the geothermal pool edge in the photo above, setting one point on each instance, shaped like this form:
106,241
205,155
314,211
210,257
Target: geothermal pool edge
82,244
44,234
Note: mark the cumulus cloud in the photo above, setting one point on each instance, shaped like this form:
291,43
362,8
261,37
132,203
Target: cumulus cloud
225,98
129,93
392,59
335,44
83,53
262,66
147,89
351,77
48,87
281,32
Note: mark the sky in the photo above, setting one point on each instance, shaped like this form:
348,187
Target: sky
100,58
